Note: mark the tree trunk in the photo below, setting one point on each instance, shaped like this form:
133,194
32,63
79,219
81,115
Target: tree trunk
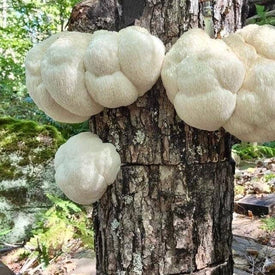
170,209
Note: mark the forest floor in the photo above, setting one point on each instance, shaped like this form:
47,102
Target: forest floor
253,245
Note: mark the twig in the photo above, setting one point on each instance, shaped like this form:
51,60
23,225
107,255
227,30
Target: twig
27,264
13,245
10,247
267,14
251,261
36,268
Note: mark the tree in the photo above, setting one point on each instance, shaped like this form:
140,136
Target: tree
21,24
170,210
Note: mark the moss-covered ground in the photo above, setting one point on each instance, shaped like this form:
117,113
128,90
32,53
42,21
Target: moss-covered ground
31,141
27,149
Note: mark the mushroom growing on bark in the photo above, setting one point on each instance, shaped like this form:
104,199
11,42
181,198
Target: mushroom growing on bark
201,77
226,83
121,66
85,166
55,77
72,76
254,115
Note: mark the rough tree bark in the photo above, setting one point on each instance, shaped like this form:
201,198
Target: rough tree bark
170,209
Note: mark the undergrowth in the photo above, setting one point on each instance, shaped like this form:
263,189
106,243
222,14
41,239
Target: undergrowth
248,151
269,224
55,229
262,16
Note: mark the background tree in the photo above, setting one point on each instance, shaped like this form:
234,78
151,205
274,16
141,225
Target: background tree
22,24
170,210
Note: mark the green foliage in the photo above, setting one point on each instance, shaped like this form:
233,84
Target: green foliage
260,10
4,232
249,151
263,17
24,23
24,108
269,177
54,229
270,144
239,189
69,130
269,224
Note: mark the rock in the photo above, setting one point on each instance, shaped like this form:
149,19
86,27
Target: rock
242,259
263,204
272,167
246,227
4,270
269,265
26,173
240,272
261,187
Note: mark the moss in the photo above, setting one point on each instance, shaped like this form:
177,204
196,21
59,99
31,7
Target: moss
31,142
42,156
23,162
6,170
14,130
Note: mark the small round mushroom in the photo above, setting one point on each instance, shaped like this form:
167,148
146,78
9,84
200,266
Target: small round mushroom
55,77
85,166
254,116
121,66
201,76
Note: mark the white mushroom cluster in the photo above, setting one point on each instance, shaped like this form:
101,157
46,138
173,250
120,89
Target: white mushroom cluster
201,76
85,167
254,116
226,83
72,76
55,77
121,66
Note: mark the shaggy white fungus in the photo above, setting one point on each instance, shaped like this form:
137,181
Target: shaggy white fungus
254,116
226,83
121,66
85,167
72,76
55,77
201,76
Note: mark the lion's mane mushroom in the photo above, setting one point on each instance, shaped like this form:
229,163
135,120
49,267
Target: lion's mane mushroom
201,76
72,76
254,115
229,82
121,66
55,77
85,167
